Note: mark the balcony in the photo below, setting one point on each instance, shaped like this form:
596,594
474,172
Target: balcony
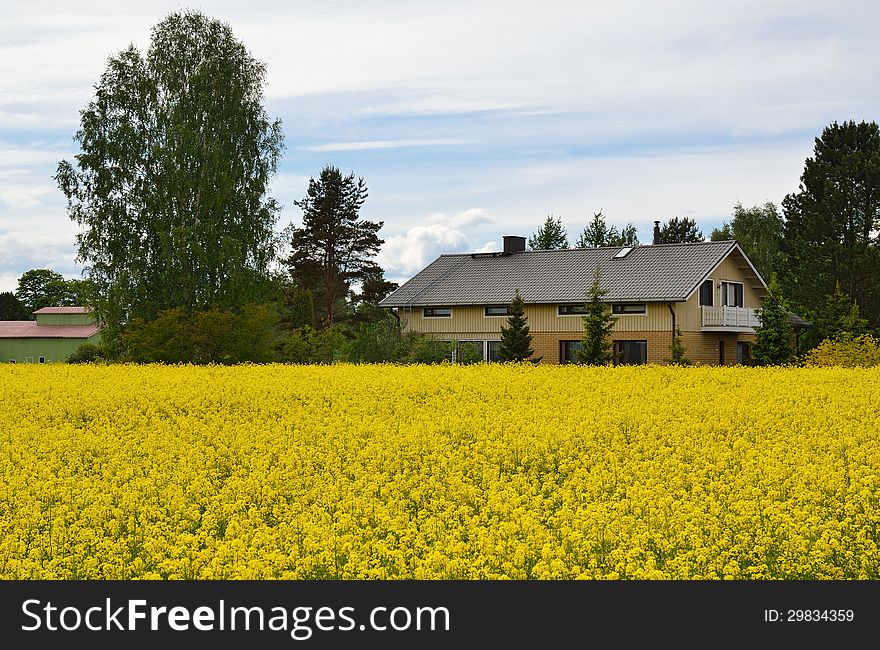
729,319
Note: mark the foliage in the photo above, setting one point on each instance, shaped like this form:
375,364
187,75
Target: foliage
550,236
334,246
378,340
516,342
677,351
87,353
308,345
597,233
40,288
213,336
625,237
596,348
11,308
773,338
443,472
831,223
758,230
374,287
846,351
680,231
170,188
838,316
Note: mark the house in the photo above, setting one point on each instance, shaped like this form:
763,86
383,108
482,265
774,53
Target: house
709,289
53,336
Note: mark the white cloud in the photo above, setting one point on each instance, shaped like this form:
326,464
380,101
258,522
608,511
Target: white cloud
21,197
465,219
365,145
404,255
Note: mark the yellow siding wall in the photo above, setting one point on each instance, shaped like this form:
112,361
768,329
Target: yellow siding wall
542,318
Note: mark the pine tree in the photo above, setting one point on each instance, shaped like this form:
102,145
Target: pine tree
596,348
680,231
334,247
831,224
550,236
773,337
597,233
516,341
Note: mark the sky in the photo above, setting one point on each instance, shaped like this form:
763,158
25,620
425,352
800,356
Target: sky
471,120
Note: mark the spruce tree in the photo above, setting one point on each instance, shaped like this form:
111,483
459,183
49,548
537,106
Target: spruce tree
773,337
680,231
516,342
550,236
596,348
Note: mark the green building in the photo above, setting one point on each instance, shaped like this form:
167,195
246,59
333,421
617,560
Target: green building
57,332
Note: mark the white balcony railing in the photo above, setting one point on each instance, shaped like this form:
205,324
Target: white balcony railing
730,317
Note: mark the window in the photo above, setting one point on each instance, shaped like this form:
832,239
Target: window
497,310
437,312
571,310
623,252
743,352
567,350
493,350
706,293
42,359
628,309
630,352
732,294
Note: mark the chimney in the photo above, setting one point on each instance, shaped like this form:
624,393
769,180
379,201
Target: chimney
656,232
513,244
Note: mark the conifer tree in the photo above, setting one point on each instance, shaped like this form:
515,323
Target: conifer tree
516,342
773,337
550,236
596,348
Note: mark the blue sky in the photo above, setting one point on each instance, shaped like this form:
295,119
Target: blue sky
472,120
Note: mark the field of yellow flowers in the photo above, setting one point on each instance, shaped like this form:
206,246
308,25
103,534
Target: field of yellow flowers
484,471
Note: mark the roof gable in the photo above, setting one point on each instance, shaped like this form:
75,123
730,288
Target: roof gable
662,272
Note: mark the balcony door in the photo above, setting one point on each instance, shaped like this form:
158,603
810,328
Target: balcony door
732,294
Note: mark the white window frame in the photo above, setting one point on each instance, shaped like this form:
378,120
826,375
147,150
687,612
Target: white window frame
725,284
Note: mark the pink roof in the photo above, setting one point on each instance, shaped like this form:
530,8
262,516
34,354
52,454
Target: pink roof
64,310
28,329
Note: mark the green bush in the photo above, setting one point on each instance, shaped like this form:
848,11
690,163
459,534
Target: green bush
213,336
307,345
87,353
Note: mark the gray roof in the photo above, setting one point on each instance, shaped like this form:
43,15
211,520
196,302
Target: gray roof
662,272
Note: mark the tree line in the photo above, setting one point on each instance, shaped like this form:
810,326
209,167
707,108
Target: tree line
177,226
